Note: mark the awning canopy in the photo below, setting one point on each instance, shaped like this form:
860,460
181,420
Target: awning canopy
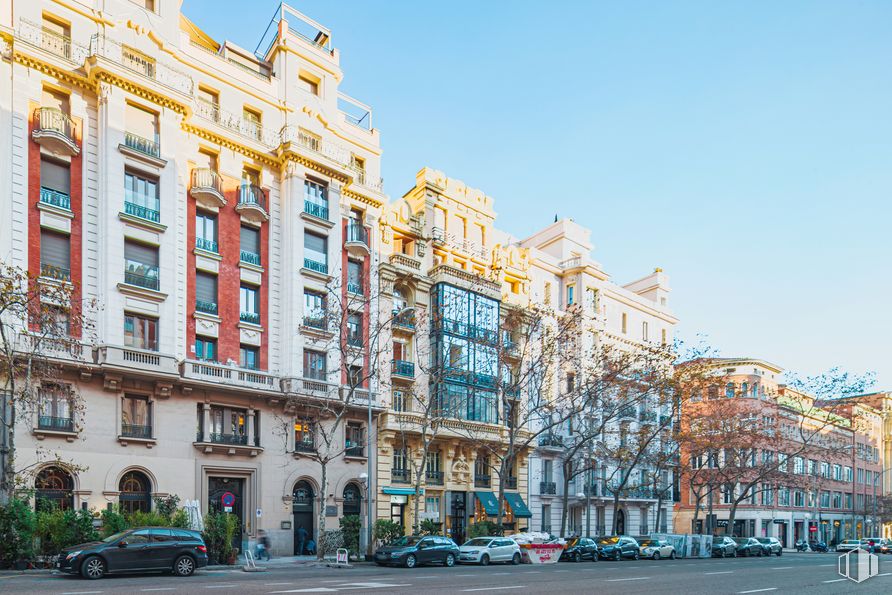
489,502
518,506
400,491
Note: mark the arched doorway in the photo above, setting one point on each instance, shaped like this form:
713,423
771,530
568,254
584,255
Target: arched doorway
135,492
54,488
620,522
302,509
352,500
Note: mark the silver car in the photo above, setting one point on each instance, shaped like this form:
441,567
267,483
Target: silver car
656,549
483,550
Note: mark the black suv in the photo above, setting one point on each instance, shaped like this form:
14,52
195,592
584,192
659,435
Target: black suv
413,550
617,547
581,549
180,551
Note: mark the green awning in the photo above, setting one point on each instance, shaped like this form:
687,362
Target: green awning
489,502
400,491
518,506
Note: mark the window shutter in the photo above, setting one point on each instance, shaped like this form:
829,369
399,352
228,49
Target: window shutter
55,249
250,240
55,176
314,243
147,255
206,287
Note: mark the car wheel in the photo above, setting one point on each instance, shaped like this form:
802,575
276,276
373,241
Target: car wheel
723,553
93,568
672,555
594,556
515,559
410,561
656,556
760,552
779,553
184,566
577,557
484,560
734,554
617,556
450,560
637,556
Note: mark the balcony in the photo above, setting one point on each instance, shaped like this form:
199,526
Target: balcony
309,386
403,369
141,275
141,212
55,130
206,245
591,490
628,412
409,264
206,307
56,273
150,363
316,322
482,481
550,440
207,188
354,339
404,321
136,431
434,478
316,210
315,266
304,447
354,288
232,444
647,416
249,317
53,43
363,179
244,127
252,203
142,146
547,488
55,424
322,151
249,257
354,451
115,56
399,475
54,198
357,239
217,373
510,483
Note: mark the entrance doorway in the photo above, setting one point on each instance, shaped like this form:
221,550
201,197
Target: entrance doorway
398,510
226,494
304,521
620,522
458,516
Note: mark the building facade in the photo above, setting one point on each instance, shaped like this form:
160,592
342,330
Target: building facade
218,204
823,490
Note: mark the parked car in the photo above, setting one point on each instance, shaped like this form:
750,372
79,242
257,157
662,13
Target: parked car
885,546
413,550
771,545
162,549
847,545
723,546
656,549
617,547
748,546
579,549
875,545
483,550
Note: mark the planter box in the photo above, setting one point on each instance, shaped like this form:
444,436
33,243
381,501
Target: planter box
541,553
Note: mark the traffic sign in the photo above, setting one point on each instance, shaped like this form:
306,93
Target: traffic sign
228,499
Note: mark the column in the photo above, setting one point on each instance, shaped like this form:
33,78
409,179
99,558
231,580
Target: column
206,422
252,439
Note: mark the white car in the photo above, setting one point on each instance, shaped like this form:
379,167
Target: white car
656,549
483,550
848,544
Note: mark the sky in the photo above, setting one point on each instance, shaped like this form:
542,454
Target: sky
745,147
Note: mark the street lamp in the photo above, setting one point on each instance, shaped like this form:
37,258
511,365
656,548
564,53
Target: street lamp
588,511
876,479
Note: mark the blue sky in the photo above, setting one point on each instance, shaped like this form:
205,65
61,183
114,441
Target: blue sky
745,147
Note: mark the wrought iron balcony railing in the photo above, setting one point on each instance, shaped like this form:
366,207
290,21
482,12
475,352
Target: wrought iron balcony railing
249,257
136,431
146,146
548,488
315,266
316,210
55,198
206,245
57,424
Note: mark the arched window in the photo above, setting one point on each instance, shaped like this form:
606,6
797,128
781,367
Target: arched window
54,489
729,390
302,496
352,500
136,492
755,390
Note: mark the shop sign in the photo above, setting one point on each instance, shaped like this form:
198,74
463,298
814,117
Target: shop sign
780,522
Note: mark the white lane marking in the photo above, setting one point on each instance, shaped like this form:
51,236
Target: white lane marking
836,580
634,578
311,590
463,575
884,574
219,586
826,564
759,590
160,589
555,571
529,572
722,572
494,573
493,588
80,592
782,568
276,584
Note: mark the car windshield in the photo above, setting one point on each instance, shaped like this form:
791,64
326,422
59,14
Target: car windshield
608,541
478,542
647,542
739,539
763,540
408,540
115,537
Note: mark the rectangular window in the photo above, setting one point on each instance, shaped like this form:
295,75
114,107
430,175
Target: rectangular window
316,199
314,365
141,197
55,255
314,310
249,304
355,442
571,290
253,122
354,330
400,401
663,336
798,498
55,176
249,357
205,349
140,122
848,501
316,252
432,508
206,232
625,320
547,466
140,332
55,407
208,104
250,245
547,293
205,293
304,436
308,83
141,265
136,416
825,499
354,277
644,336
546,518
56,38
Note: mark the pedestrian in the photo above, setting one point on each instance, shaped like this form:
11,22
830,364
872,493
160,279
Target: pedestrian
262,545
311,547
301,540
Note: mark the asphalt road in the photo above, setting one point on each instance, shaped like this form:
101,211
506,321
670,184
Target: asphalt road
791,573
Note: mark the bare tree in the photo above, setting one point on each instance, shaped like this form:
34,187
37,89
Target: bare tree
44,328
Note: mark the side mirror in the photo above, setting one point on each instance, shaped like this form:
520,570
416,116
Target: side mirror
493,545
422,545
122,543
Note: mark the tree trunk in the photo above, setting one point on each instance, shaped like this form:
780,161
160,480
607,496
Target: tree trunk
565,498
657,519
323,490
416,501
615,510
7,480
732,512
710,530
696,513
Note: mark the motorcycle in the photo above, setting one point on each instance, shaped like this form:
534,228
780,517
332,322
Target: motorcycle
802,546
819,546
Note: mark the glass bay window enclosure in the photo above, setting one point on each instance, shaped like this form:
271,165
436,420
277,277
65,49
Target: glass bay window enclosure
228,425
